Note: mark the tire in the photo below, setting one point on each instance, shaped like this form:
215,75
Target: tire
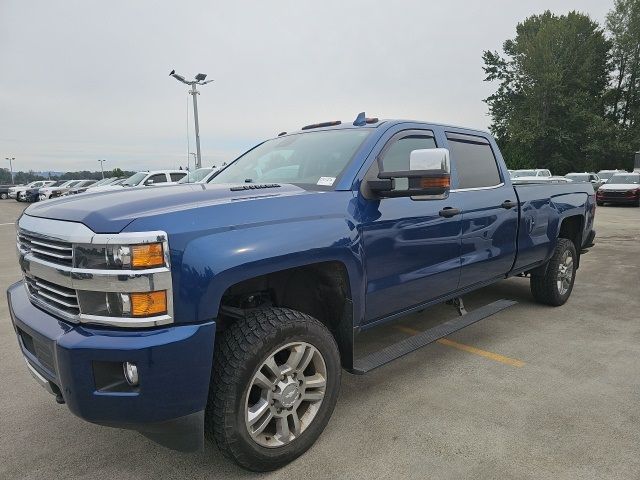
3,196
555,286
600,203
241,368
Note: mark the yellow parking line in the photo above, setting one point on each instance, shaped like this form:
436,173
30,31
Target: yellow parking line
468,348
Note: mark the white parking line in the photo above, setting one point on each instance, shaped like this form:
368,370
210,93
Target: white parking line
12,223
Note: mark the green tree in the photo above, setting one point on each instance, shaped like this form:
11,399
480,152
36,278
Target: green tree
5,176
548,110
623,97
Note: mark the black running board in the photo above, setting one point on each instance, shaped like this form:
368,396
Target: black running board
408,345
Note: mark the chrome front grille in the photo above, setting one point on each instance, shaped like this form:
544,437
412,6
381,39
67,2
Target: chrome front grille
56,296
54,251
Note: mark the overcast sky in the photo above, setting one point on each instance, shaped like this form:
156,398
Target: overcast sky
82,80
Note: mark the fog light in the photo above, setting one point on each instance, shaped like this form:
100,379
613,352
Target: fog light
130,373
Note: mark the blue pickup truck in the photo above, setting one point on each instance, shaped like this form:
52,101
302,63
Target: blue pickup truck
228,310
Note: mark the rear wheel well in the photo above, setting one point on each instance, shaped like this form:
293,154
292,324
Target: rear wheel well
320,290
571,228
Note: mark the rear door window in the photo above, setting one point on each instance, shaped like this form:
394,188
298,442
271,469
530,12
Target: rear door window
177,176
474,160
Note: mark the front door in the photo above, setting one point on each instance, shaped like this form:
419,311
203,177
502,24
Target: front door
411,251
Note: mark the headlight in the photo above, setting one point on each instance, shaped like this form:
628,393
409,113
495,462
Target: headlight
120,257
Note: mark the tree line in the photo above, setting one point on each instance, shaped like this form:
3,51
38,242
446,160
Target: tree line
568,93
31,176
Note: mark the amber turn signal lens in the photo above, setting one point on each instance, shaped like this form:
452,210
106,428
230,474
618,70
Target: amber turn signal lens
148,304
147,255
435,182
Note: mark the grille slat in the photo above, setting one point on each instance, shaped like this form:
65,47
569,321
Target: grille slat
54,251
55,296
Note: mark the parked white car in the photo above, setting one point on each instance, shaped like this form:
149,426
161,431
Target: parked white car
140,179
201,175
605,175
56,189
14,192
534,172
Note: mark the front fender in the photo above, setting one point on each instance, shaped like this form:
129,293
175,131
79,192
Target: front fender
213,263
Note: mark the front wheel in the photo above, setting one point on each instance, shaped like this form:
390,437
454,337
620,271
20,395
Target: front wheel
3,196
555,286
275,382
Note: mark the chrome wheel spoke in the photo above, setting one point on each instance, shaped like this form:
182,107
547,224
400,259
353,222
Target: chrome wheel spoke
259,428
315,381
273,367
283,434
262,381
297,426
257,411
314,396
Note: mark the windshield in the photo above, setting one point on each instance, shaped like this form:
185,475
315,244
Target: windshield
196,175
523,173
606,175
621,179
134,179
313,158
104,181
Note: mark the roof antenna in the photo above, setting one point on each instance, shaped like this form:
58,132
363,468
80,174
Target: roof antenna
360,120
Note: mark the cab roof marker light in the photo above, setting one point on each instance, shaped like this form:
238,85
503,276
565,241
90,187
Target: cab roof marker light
321,125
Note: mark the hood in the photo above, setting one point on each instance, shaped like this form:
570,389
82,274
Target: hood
620,186
112,211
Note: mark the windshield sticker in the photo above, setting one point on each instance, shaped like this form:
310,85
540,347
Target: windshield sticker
328,181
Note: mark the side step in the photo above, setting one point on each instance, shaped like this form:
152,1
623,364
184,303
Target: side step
408,345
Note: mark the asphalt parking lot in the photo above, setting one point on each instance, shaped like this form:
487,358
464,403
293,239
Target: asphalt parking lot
532,392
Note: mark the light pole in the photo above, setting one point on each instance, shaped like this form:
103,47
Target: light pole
199,80
101,167
11,167
195,160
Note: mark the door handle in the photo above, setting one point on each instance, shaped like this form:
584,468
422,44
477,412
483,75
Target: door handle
448,212
509,204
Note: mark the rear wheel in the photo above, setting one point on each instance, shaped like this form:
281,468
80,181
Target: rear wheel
275,382
3,196
555,286
600,203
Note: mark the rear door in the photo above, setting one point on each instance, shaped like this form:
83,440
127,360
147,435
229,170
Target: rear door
489,209
411,252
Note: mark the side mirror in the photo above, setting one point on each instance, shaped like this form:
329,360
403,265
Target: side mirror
429,176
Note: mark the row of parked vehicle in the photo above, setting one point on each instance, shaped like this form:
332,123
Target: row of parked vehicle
611,186
47,189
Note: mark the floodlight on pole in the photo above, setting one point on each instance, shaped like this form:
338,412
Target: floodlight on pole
198,80
10,160
101,167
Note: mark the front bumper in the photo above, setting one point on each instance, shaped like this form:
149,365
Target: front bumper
81,364
620,198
